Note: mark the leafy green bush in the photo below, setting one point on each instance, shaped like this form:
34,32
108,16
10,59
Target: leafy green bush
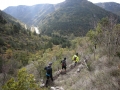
23,81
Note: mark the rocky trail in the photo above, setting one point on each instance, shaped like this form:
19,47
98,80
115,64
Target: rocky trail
82,78
62,80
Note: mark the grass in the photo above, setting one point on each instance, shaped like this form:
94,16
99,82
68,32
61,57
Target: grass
101,78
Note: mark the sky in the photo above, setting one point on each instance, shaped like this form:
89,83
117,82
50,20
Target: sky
6,3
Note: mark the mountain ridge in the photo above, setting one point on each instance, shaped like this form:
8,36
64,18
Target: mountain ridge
110,6
76,18
69,17
28,14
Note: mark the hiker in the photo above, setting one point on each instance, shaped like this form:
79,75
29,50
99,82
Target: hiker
63,63
75,59
48,73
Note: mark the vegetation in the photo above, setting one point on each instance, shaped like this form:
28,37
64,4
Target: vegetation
110,6
106,34
73,17
66,18
22,48
18,47
22,82
32,14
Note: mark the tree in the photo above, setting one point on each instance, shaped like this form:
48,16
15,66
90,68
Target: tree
2,42
107,35
16,29
23,81
1,64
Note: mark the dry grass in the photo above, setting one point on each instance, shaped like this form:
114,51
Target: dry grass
102,77
103,74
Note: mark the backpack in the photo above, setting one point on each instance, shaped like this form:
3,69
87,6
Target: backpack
75,58
63,63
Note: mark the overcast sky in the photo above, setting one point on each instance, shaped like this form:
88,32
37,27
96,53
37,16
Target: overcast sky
6,3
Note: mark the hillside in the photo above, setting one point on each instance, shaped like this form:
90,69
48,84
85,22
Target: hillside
100,51
18,46
30,15
100,77
10,19
20,49
66,18
15,40
76,17
110,6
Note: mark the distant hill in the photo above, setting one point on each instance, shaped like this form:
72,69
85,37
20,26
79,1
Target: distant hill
75,17
10,19
14,36
110,6
30,15
69,17
17,44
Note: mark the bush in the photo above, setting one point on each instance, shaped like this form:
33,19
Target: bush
2,42
24,81
118,54
1,64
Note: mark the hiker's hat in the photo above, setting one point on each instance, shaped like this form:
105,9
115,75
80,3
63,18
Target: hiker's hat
65,58
50,63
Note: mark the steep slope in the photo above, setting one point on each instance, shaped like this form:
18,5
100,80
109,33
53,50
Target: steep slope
110,6
75,17
16,40
69,17
8,18
30,15
100,78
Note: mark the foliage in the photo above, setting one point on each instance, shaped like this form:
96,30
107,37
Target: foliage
59,40
2,20
110,6
40,67
118,54
2,42
91,34
1,64
23,81
106,34
22,57
16,29
73,17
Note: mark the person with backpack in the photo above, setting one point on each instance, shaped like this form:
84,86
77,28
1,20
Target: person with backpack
63,63
48,73
75,59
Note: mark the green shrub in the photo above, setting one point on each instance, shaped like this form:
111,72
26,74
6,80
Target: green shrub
1,64
2,42
23,81
118,54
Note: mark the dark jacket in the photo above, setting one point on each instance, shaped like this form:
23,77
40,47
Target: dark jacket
63,62
48,70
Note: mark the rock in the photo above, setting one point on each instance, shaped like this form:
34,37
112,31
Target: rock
52,88
80,67
56,88
71,65
42,85
61,88
78,70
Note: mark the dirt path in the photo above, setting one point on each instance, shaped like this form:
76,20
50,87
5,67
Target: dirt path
67,79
